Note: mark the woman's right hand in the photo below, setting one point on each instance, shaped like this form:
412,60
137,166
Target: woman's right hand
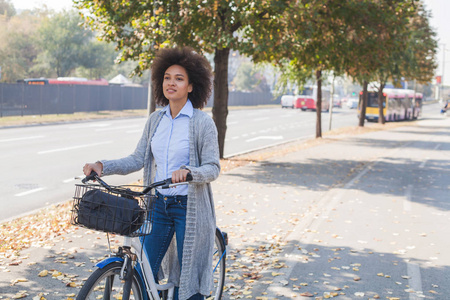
97,167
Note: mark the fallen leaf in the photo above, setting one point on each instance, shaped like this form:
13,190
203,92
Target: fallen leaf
43,273
306,294
72,284
15,281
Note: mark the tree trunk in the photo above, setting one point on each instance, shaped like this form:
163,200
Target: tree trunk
363,105
220,107
381,100
151,105
319,104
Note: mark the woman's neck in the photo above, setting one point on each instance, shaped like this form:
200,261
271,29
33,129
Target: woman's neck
176,107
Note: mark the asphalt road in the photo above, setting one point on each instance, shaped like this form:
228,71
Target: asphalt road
364,216
39,163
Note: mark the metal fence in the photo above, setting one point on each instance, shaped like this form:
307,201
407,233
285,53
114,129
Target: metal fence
21,99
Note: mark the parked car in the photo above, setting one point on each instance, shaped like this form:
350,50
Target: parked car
287,101
337,101
352,103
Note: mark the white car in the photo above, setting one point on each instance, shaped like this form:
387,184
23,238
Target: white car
352,103
287,101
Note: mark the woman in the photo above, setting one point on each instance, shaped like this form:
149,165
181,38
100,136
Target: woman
177,140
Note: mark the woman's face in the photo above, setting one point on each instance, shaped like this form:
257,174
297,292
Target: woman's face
176,84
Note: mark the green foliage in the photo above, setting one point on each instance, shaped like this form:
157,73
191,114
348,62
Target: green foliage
292,77
140,28
41,43
96,59
7,9
18,48
246,78
418,60
62,41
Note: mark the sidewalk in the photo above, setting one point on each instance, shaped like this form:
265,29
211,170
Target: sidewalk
270,210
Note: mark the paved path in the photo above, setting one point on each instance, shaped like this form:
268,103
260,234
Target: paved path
356,217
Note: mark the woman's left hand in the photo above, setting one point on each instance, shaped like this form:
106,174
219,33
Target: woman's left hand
179,176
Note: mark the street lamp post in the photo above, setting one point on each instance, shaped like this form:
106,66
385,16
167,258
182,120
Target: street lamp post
442,76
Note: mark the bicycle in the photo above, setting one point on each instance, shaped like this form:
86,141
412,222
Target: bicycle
126,274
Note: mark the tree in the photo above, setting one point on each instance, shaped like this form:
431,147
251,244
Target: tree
378,36
292,76
140,28
7,8
419,59
62,41
315,39
412,50
96,59
246,77
18,48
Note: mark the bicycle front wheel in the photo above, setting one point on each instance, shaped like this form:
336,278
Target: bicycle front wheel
105,284
219,257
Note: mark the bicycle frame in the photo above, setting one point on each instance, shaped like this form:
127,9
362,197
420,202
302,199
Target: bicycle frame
143,269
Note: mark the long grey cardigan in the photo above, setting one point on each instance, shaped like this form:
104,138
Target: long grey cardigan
204,164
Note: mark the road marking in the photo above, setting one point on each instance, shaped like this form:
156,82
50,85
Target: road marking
90,125
408,197
261,119
23,138
74,147
424,162
133,131
422,165
414,280
30,192
69,180
265,137
118,128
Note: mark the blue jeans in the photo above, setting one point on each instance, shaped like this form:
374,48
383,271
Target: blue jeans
169,218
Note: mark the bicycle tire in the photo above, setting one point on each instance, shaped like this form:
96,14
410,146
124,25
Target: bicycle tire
219,260
94,287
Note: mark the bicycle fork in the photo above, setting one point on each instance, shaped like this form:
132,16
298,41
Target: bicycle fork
127,271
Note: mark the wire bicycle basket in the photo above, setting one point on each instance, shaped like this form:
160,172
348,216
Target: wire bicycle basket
118,210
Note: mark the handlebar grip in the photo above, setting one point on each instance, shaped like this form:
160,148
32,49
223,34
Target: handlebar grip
189,177
89,177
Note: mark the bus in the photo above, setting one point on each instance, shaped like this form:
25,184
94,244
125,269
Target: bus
64,81
398,105
307,98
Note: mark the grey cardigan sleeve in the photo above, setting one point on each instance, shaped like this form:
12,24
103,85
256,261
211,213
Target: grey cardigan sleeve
132,163
208,161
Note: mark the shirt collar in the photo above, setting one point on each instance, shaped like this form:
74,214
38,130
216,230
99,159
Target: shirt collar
187,110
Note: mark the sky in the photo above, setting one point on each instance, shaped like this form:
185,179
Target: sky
440,22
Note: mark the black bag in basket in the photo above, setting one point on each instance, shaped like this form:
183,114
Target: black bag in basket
110,213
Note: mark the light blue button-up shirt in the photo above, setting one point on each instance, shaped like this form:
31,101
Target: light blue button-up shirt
170,146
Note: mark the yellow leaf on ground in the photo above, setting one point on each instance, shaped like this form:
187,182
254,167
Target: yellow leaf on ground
15,281
307,294
43,273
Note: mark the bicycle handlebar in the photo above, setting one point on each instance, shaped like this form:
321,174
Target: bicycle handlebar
164,184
